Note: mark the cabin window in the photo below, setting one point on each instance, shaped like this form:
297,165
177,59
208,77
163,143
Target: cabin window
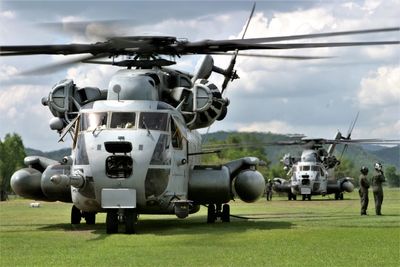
123,120
153,121
90,121
314,168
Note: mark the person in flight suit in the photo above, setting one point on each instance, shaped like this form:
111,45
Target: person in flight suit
363,191
377,179
268,188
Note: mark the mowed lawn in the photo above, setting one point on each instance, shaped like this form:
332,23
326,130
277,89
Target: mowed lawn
321,232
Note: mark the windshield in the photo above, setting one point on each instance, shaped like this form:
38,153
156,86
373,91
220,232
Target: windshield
305,168
89,121
153,121
123,120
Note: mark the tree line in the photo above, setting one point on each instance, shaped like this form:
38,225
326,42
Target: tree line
12,154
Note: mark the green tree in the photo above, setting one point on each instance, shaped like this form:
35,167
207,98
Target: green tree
12,154
392,176
346,168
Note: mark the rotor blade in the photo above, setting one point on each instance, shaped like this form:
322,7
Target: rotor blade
207,46
314,35
269,56
353,123
51,68
229,72
52,49
100,29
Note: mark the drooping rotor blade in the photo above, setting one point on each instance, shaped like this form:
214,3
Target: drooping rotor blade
352,124
51,68
230,74
270,56
68,49
314,35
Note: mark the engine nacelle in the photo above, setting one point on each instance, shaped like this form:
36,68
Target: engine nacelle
209,185
31,183
203,104
249,185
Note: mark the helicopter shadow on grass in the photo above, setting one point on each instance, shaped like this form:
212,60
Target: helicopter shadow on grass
173,227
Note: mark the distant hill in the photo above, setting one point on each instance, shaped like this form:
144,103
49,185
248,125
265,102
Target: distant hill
56,154
390,155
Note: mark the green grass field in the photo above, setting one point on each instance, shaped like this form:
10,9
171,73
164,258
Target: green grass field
321,232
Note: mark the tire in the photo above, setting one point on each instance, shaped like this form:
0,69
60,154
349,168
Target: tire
341,196
130,221
226,212
309,197
90,217
76,215
211,215
112,222
304,197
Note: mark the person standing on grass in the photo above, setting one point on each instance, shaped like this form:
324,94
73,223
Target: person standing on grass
363,191
377,179
268,189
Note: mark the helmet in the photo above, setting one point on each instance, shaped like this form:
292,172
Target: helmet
378,166
364,170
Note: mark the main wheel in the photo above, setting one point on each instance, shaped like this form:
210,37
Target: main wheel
226,213
211,215
130,221
90,217
112,222
341,196
76,215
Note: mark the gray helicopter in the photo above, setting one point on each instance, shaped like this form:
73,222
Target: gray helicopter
135,145
313,173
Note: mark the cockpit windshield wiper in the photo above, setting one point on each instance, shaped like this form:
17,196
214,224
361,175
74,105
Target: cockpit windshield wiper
147,128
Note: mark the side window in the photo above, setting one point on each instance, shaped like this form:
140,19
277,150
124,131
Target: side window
176,136
123,120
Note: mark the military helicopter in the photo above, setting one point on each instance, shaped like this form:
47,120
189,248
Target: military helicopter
313,173
135,145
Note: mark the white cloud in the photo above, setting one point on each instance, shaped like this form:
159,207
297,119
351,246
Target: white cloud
274,126
381,87
7,71
8,14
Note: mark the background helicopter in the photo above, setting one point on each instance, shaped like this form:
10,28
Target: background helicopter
313,173
135,148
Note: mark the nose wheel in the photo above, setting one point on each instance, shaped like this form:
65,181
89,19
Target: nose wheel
128,216
77,215
215,211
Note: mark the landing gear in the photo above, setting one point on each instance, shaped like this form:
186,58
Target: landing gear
338,196
211,215
306,197
291,196
130,220
129,217
90,217
112,222
77,215
215,211
226,210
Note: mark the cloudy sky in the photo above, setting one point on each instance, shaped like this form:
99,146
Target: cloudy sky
310,97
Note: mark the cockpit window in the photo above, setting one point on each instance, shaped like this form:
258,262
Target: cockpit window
89,121
123,120
153,121
315,168
305,168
